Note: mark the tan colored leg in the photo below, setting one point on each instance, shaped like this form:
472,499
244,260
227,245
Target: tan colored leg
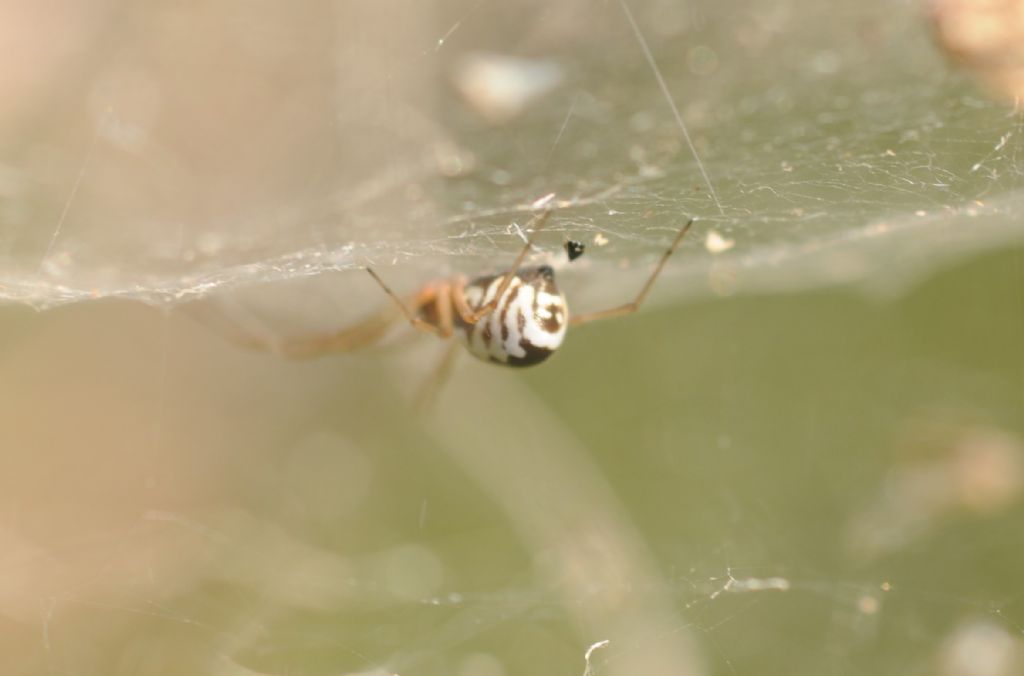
363,334
250,332
443,303
459,300
410,316
435,381
634,305
537,223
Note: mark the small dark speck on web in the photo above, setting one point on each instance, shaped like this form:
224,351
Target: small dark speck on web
574,249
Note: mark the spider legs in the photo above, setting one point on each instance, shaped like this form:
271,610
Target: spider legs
438,295
435,300
431,386
446,296
634,305
459,300
537,223
438,302
248,330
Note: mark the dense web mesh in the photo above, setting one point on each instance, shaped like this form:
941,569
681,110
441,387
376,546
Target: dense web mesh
833,154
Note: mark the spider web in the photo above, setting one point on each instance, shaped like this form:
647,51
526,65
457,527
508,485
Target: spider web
262,155
837,158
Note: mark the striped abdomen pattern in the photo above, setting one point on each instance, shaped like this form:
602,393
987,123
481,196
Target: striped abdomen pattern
526,326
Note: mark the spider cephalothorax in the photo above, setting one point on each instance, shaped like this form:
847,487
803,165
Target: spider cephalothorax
526,325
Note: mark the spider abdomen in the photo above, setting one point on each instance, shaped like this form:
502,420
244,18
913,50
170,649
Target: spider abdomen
527,324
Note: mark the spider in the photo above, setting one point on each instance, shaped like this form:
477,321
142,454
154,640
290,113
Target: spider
517,318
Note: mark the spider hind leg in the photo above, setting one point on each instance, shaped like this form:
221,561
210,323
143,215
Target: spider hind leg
634,305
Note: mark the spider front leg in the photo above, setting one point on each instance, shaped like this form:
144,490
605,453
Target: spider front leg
459,300
436,299
634,305
247,330
537,223
432,385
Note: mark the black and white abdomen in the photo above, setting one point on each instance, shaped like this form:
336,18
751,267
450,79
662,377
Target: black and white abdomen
527,324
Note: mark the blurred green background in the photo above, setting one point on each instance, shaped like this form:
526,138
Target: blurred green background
806,456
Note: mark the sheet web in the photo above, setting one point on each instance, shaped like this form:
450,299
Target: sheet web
838,146
823,151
